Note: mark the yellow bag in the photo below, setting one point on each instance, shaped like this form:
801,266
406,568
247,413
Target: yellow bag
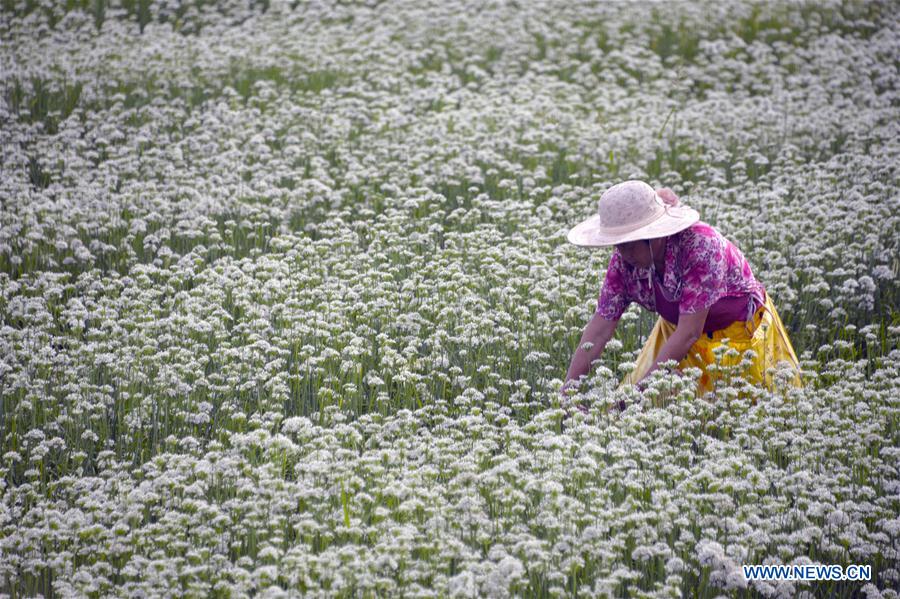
765,334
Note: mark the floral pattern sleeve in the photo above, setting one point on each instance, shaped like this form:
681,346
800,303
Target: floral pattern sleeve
704,274
613,296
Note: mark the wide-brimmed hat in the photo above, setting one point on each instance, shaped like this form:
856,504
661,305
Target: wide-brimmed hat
629,211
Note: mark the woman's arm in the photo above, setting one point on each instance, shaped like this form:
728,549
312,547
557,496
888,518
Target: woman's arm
676,347
598,331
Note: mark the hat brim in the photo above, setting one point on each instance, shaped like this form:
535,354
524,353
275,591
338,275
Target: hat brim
590,233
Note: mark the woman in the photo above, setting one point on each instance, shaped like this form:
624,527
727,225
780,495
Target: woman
698,282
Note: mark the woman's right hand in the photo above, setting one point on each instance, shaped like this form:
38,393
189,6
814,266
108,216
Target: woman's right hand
564,395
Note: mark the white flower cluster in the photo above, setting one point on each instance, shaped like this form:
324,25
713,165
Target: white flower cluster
469,504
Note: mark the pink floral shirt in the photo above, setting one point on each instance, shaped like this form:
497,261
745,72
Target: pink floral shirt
701,267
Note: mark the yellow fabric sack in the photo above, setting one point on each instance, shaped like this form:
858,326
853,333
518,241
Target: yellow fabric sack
765,334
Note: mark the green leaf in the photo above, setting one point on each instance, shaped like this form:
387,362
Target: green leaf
345,502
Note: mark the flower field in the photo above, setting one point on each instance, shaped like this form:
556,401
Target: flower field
286,299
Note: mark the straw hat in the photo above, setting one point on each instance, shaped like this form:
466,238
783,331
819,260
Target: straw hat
629,211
